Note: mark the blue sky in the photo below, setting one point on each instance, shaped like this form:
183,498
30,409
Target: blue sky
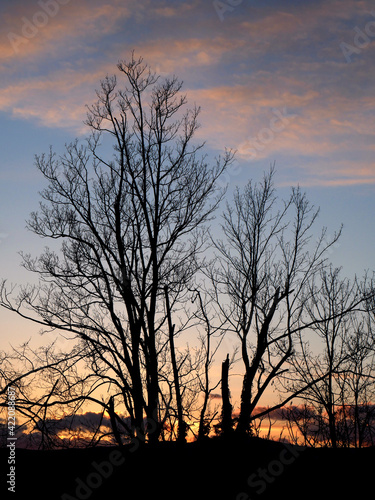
279,81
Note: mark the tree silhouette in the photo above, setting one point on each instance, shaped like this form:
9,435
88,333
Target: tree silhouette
340,374
131,226
130,207
226,423
262,278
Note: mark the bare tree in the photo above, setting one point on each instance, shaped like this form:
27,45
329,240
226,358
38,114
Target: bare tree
356,383
211,329
342,365
304,422
47,384
263,267
130,225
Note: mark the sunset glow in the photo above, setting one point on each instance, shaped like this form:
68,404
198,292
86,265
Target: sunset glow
281,82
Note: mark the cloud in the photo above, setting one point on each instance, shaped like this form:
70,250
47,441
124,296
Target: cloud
322,127
56,101
75,430
215,396
58,98
181,56
239,71
88,421
277,414
32,32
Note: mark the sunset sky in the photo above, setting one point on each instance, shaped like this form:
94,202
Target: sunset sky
290,82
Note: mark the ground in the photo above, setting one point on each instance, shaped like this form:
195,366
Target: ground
214,470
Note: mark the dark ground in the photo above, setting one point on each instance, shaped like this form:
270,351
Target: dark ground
212,470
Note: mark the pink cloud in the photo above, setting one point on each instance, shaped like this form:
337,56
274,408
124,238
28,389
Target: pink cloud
56,101
232,116
32,32
235,112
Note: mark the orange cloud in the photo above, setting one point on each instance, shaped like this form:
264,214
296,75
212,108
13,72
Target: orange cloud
238,111
33,31
56,101
180,56
232,116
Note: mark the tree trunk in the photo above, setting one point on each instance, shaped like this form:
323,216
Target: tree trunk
153,425
243,425
181,436
138,428
112,416
226,418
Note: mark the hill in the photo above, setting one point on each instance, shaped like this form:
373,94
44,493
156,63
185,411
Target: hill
215,469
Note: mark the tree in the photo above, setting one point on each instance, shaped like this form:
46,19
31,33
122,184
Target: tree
226,423
339,374
263,268
203,318
356,386
131,226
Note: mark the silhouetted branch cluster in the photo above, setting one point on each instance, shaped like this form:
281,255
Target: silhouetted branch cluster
136,274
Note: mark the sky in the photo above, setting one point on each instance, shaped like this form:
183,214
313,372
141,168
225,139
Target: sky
290,82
